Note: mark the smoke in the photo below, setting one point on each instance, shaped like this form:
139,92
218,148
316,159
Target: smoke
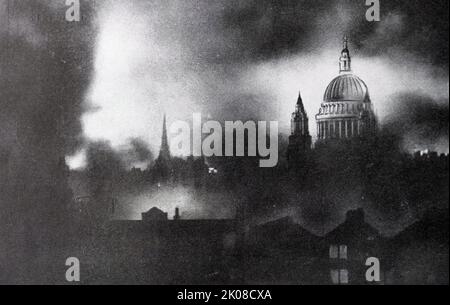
45,68
421,122
102,154
136,154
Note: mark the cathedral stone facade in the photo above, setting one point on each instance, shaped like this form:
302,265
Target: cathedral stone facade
346,113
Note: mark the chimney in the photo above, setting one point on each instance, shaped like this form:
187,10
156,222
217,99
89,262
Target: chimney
356,216
177,214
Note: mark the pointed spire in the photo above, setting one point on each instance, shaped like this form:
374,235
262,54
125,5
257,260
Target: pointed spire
300,102
164,127
299,122
164,151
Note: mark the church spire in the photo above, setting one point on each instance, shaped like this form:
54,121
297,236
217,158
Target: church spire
300,106
300,139
164,152
345,60
163,167
299,122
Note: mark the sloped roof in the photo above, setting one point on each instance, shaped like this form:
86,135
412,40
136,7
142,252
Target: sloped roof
354,228
154,211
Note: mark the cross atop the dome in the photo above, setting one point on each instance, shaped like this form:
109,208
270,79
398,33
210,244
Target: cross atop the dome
345,42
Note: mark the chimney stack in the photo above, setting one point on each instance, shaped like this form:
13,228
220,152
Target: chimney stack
177,214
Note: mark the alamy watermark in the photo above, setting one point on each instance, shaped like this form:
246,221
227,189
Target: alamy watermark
231,140
373,13
73,12
73,272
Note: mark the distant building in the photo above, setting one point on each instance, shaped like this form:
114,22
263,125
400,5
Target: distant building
424,248
300,257
155,214
300,139
177,214
349,246
163,164
180,251
346,111
183,251
169,170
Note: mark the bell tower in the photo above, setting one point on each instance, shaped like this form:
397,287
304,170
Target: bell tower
300,139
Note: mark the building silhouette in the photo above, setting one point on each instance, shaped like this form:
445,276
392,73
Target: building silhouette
346,111
163,165
300,139
155,214
349,245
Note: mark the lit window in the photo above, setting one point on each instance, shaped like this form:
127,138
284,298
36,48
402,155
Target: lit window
339,276
334,251
338,252
343,252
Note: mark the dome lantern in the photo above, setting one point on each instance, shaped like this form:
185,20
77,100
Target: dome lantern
345,61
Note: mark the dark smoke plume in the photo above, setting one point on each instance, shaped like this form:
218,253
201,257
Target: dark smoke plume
45,69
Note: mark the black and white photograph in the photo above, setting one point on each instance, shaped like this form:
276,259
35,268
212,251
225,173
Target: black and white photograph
210,143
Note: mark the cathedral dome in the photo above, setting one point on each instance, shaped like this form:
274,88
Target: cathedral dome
346,87
346,111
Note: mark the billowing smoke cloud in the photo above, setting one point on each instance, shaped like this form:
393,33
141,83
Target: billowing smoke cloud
134,153
45,68
421,122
